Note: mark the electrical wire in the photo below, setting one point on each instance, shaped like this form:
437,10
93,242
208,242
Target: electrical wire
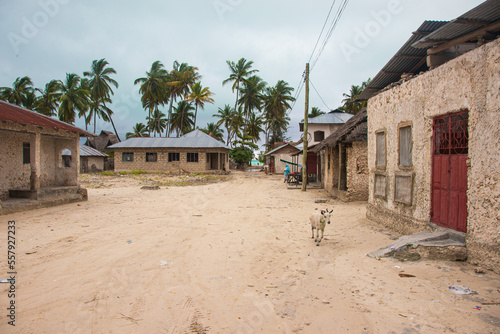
328,108
322,29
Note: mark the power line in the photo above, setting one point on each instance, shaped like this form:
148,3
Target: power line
322,29
319,95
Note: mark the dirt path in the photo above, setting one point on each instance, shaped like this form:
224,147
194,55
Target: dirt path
231,257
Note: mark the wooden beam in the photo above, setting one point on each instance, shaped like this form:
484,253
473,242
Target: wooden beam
419,64
467,37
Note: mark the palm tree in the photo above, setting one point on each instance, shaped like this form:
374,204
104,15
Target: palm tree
214,130
199,95
139,130
153,88
225,116
254,126
181,78
239,72
30,100
100,89
349,102
315,112
157,122
251,96
276,104
47,103
73,98
17,94
182,118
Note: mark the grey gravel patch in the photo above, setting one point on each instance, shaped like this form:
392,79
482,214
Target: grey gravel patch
150,187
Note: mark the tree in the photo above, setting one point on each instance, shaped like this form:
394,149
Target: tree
100,90
48,102
199,95
214,130
181,78
254,126
73,98
251,96
349,102
225,116
239,72
276,104
182,118
157,122
153,88
17,94
315,112
139,130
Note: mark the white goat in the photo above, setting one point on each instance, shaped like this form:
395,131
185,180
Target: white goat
318,222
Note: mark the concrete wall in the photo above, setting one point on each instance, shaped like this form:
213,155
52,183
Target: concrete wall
285,154
93,164
45,168
470,82
327,128
162,163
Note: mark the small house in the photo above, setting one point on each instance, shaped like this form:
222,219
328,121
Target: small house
91,160
278,158
322,126
193,152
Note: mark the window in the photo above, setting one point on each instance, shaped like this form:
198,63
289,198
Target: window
403,188
380,185
319,135
127,157
26,153
151,157
405,146
192,157
173,157
380,158
66,160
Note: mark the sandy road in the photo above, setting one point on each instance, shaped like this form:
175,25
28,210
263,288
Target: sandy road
231,257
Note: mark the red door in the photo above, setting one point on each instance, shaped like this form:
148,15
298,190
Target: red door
271,164
449,171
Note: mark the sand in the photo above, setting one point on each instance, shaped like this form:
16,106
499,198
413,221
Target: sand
226,257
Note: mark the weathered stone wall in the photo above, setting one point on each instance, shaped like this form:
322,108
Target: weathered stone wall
357,172
286,154
13,173
162,163
470,82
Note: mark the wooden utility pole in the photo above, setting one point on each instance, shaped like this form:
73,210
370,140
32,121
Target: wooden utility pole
305,134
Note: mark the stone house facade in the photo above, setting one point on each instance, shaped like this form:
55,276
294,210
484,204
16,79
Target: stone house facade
434,152
284,152
32,163
193,152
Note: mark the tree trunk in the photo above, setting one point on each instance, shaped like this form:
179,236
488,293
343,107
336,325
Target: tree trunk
169,122
195,114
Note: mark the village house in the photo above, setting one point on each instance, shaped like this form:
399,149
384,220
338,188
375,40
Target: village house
345,160
434,133
193,152
322,126
278,158
91,160
32,164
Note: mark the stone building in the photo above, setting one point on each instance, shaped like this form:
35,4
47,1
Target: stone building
193,152
91,160
434,135
284,152
320,127
345,160
32,165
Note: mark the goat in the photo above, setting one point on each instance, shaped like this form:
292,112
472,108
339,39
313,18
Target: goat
318,222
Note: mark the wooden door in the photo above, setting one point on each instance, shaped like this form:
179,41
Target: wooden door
449,171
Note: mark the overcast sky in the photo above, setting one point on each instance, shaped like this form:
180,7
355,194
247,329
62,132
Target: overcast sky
46,39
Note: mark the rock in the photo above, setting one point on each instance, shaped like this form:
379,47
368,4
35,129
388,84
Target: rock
150,187
320,200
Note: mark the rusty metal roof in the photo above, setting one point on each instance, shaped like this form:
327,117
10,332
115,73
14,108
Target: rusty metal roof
483,15
13,113
407,60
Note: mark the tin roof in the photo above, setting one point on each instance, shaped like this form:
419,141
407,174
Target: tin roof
481,16
333,117
86,151
279,148
193,139
13,113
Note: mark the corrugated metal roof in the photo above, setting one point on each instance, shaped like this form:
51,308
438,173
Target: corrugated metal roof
86,151
279,148
484,14
194,139
333,117
407,60
13,113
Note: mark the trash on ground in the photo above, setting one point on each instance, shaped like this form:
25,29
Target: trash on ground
462,290
129,240
406,275
3,280
478,308
163,263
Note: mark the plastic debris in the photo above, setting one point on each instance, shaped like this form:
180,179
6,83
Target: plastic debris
462,290
129,240
406,275
478,308
3,280
163,263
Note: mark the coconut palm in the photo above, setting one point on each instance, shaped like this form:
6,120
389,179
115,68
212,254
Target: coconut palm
180,79
139,130
100,90
239,72
251,96
154,88
276,104
199,95
73,98
350,105
254,126
225,116
17,94
214,130
182,118
157,122
48,102
315,112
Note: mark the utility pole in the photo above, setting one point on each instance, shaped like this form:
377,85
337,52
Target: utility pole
305,134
